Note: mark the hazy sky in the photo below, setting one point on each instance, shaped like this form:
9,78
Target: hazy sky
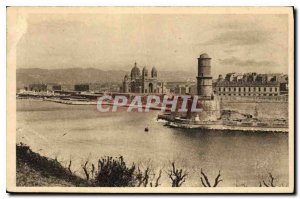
236,43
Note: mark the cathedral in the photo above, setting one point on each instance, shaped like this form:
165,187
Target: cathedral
140,83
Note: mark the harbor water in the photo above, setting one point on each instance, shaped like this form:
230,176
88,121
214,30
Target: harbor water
80,133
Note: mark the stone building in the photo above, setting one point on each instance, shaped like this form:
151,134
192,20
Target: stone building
37,87
81,87
247,89
41,87
204,78
207,101
53,87
252,84
209,104
138,82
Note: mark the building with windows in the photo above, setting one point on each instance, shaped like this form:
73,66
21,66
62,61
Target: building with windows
41,87
37,87
247,89
138,82
81,87
53,87
252,84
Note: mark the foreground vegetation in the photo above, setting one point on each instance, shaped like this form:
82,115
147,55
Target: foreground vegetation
36,170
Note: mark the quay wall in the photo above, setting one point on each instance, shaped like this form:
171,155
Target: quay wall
265,110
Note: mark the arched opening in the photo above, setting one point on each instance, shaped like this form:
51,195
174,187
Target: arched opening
150,88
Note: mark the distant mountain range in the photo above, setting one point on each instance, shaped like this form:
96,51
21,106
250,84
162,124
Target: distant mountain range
73,76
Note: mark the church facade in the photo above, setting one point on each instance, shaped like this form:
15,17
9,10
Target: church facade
140,82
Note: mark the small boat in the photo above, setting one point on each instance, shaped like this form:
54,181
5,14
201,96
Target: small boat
146,129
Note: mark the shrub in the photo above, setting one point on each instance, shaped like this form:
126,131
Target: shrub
113,172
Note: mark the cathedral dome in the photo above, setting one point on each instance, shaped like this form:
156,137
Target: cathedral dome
135,71
204,56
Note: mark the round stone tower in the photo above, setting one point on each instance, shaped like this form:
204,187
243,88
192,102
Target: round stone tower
204,78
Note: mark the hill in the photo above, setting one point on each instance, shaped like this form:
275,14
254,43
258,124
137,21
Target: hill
73,76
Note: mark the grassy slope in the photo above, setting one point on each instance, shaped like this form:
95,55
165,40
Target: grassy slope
36,170
29,177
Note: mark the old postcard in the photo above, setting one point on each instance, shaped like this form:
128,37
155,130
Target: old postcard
150,99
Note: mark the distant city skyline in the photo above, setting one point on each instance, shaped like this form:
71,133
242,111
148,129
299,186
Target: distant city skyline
247,43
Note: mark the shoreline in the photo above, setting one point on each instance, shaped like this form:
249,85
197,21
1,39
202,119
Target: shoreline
225,128
175,124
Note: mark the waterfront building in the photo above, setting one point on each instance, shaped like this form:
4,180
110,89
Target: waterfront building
138,82
251,85
81,87
247,89
209,103
204,78
53,87
42,87
37,87
182,88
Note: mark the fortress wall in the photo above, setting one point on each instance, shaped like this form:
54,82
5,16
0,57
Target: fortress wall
211,110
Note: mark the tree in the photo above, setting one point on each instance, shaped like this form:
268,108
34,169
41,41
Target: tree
177,176
269,183
205,182
147,177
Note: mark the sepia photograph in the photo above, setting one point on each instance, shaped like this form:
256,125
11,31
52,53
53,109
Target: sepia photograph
150,99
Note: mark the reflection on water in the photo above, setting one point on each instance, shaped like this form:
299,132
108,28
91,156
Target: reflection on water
81,132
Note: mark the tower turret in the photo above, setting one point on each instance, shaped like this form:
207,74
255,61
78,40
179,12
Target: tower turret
145,72
153,72
204,78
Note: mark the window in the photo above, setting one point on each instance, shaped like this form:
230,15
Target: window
270,89
275,89
219,88
223,89
233,89
239,89
259,89
265,89
229,89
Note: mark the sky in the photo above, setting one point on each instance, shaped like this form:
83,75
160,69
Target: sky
236,42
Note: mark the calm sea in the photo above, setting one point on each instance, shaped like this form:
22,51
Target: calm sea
82,133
